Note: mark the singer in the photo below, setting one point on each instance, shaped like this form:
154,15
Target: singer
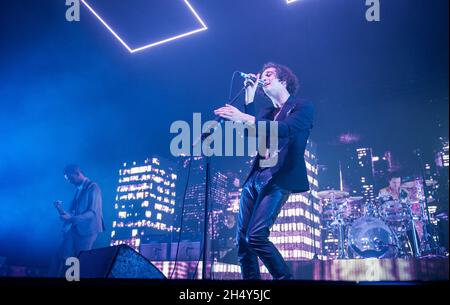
266,189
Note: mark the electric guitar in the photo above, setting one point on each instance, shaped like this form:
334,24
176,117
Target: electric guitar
67,225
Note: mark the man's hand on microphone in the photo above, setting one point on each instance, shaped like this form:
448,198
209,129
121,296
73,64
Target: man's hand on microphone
250,88
233,114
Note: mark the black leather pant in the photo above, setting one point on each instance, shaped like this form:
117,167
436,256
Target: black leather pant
260,204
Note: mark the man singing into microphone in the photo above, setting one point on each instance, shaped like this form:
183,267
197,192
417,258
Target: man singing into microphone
267,188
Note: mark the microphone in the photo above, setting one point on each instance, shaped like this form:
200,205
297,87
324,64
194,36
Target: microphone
248,76
219,119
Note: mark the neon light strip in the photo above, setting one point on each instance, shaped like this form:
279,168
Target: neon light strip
107,26
166,40
203,28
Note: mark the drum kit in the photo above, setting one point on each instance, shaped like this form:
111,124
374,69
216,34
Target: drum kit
385,228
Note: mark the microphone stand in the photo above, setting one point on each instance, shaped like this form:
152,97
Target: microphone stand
218,119
202,137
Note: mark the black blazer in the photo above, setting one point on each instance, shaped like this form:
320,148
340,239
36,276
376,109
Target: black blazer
294,125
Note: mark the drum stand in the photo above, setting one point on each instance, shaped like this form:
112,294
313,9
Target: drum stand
429,244
414,233
341,248
340,223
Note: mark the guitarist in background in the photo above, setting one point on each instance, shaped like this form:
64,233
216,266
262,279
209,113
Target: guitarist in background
84,220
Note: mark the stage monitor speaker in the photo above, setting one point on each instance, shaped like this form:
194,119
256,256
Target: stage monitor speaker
117,262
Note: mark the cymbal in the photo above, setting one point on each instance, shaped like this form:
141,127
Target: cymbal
340,201
413,184
409,184
329,194
355,198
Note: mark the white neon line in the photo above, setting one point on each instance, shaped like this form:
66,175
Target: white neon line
195,13
166,40
107,26
290,1
204,27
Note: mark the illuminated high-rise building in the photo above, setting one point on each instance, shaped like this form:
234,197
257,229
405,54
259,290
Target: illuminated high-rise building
442,190
442,167
383,165
442,154
191,212
297,233
145,203
219,202
358,174
431,189
366,174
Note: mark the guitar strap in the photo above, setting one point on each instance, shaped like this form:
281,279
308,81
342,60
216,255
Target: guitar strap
79,195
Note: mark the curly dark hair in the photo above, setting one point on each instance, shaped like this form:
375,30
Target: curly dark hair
284,74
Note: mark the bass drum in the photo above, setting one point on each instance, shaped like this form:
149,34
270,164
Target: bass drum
371,237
